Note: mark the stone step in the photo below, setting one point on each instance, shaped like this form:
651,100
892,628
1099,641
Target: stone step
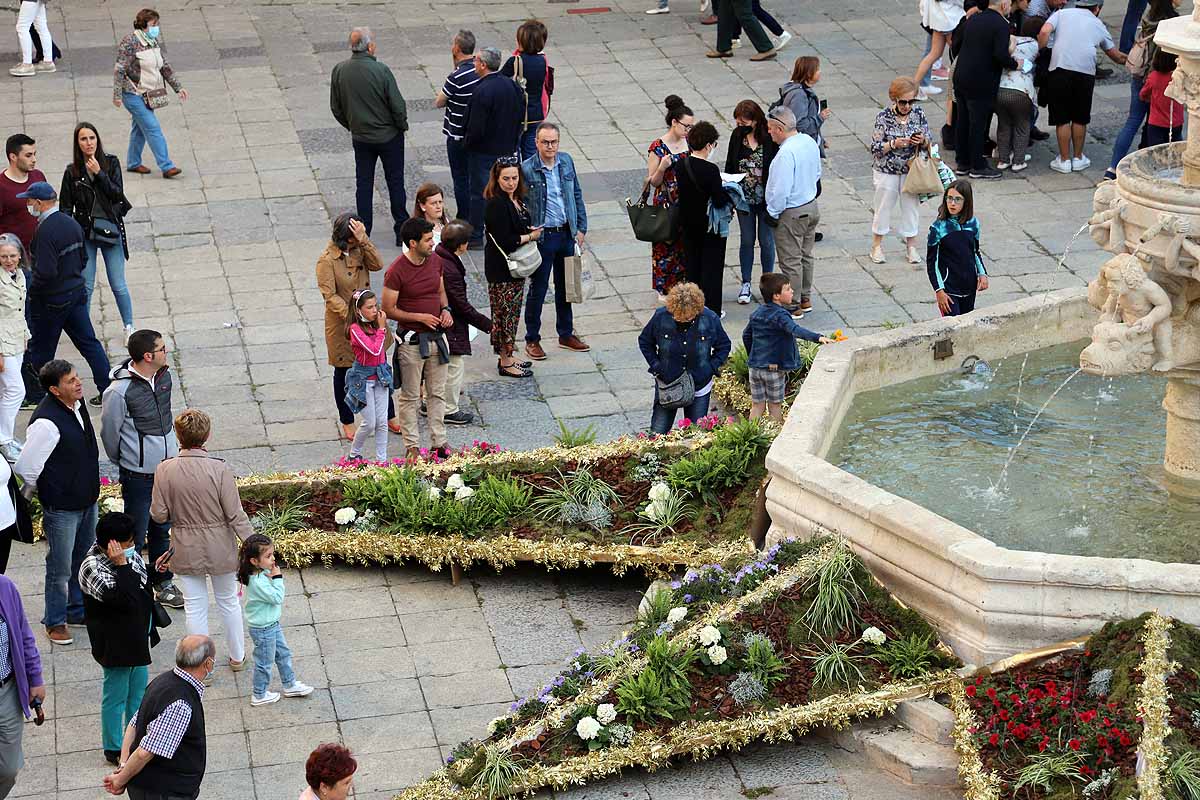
910,757
927,718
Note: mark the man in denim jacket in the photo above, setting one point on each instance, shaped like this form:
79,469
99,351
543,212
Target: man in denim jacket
770,342
556,206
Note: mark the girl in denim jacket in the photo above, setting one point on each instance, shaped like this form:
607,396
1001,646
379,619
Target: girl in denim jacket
369,381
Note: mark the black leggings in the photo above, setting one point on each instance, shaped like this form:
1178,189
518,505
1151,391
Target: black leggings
339,397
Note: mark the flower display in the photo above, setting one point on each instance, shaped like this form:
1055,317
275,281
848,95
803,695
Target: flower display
606,713
709,636
873,635
660,491
717,654
114,505
455,482
344,516
677,614
588,728
494,724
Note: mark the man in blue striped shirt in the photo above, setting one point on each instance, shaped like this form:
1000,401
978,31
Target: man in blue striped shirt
454,96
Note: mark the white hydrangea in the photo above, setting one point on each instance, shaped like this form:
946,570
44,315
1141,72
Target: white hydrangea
434,493
606,713
344,516
709,636
660,492
114,505
455,482
717,654
874,636
463,493
494,724
588,728
677,614
654,511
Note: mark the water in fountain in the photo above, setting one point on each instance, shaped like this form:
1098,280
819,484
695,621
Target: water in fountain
941,442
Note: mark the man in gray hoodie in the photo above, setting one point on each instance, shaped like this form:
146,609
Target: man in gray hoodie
138,434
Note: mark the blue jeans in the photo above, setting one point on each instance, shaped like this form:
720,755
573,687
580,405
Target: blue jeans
554,247
145,130
114,266
70,535
479,168
1138,109
136,488
1129,26
392,155
661,419
48,320
270,648
748,222
460,174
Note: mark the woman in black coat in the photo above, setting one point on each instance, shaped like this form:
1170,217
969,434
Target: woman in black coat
506,220
751,152
449,252
700,184
93,192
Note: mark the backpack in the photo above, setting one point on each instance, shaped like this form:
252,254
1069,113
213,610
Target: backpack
782,101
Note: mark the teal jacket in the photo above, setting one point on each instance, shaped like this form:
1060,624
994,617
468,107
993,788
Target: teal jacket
264,600
366,101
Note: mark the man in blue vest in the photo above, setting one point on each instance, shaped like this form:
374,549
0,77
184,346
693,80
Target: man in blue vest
62,461
165,749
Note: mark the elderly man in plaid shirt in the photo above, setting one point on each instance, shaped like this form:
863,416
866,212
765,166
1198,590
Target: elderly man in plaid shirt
164,752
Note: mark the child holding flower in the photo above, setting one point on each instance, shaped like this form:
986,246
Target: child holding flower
263,580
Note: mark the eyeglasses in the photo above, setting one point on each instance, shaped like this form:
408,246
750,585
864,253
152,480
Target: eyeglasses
548,142
687,128
162,349
509,161
952,199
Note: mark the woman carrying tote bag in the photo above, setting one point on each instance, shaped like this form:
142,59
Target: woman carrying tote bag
507,222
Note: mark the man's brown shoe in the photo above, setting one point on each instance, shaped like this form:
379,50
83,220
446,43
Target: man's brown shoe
58,634
140,169
805,304
172,172
535,351
719,54
573,342
764,56
711,19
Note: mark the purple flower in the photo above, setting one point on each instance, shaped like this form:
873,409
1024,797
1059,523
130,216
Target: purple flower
675,584
687,598
558,681
449,760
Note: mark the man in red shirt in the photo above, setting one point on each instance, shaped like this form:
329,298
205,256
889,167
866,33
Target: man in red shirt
414,296
21,172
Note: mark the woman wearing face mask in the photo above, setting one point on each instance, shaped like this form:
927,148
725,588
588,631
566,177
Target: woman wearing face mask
140,84
119,611
343,269
699,186
93,192
14,335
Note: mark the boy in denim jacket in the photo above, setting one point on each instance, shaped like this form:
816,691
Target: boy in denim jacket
770,341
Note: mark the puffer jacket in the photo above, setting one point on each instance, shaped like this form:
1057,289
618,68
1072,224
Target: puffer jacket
136,424
14,333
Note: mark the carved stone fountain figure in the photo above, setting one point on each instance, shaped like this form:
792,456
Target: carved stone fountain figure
1148,293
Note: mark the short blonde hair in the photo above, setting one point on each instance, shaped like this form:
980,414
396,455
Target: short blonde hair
901,85
685,301
192,428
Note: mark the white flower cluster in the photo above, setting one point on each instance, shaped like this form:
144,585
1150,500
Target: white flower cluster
114,505
660,494
874,636
676,614
717,654
494,724
344,516
709,636
606,713
588,728
455,485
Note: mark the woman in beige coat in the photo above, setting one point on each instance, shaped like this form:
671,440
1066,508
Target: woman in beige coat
198,495
343,269
13,337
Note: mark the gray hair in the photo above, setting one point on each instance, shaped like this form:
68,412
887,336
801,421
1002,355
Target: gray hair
490,56
465,41
784,116
192,651
13,240
360,39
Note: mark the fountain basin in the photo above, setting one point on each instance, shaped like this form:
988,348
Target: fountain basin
988,601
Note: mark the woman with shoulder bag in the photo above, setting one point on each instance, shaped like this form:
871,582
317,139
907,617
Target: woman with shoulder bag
667,266
901,130
684,345
93,192
1141,55
751,152
140,81
506,220
699,187
528,65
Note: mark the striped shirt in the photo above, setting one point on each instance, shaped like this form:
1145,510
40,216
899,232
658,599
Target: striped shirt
164,733
459,86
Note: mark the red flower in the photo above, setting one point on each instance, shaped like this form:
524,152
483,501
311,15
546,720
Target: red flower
1073,744
970,691
1015,698
1100,740
1003,714
1125,740
1042,744
994,739
991,693
1085,769
1051,688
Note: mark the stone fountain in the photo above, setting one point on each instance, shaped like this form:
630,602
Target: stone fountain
1148,292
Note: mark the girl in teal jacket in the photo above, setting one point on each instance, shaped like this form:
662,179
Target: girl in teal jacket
261,576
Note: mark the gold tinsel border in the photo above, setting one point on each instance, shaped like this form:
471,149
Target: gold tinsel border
978,782
1154,706
698,739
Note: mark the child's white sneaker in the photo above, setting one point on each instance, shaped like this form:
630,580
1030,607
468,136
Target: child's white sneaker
266,699
297,689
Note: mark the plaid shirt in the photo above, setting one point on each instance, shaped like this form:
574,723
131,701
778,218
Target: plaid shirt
98,575
164,734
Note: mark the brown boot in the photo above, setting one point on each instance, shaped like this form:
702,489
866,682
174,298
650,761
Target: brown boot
140,169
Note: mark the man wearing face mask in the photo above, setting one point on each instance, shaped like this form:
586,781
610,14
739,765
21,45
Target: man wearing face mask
57,291
165,750
120,622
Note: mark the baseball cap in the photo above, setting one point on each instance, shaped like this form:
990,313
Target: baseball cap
39,190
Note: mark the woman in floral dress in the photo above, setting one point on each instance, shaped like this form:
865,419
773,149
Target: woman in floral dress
666,258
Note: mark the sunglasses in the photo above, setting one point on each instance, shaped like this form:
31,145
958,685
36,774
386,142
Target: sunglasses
509,161
908,102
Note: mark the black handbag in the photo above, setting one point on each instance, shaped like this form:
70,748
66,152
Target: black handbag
22,529
679,392
652,223
104,231
161,618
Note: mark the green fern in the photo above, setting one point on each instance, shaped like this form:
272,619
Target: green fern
575,437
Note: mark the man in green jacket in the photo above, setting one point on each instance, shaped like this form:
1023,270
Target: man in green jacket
366,101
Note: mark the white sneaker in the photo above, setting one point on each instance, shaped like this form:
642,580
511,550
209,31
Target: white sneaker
744,295
926,92
128,333
23,70
1019,167
297,689
736,43
266,699
663,10
1058,165
783,40
1080,164
913,256
1002,165
877,256
45,66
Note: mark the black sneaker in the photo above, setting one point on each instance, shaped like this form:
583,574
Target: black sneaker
960,170
987,173
818,236
459,417
97,401
1038,135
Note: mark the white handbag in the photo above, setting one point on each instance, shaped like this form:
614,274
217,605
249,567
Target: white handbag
522,262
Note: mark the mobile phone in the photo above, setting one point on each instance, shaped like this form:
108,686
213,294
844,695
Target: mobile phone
824,104
39,715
